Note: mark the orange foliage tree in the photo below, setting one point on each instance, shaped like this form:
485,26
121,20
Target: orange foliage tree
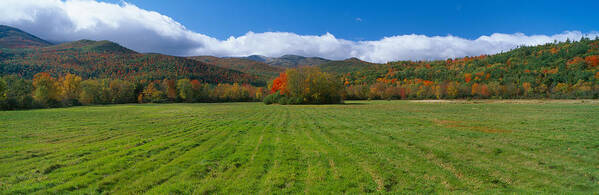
526,88
279,84
475,89
576,60
592,60
170,88
467,77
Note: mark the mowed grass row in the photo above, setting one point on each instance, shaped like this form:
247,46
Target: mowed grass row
377,146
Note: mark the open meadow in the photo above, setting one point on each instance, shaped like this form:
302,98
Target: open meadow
357,147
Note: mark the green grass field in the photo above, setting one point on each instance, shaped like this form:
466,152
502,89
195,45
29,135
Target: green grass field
377,146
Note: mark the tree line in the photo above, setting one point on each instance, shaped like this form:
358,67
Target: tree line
44,91
556,70
471,90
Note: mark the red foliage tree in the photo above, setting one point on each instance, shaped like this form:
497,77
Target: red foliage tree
484,90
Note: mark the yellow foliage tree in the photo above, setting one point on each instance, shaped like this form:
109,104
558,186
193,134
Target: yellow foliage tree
70,87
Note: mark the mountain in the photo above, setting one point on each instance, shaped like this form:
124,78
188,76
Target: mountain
257,65
15,38
104,59
257,58
288,61
243,65
25,55
345,66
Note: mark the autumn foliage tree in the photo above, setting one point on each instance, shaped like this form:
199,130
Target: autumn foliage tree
279,84
467,77
185,90
593,61
169,88
121,91
46,89
70,88
152,93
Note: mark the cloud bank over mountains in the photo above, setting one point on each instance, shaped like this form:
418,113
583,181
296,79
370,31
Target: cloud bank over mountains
150,31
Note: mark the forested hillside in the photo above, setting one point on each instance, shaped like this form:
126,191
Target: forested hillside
557,70
104,59
244,65
14,38
345,66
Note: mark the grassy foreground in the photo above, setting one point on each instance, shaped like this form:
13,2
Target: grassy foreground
377,146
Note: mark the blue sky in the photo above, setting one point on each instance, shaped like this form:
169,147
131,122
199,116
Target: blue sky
374,31
377,19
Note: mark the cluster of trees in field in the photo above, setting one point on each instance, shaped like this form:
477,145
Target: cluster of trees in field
44,90
305,85
556,70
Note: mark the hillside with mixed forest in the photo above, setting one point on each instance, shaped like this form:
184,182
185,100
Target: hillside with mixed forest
555,70
15,38
105,59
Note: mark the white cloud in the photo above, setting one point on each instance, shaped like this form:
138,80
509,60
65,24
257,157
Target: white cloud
149,31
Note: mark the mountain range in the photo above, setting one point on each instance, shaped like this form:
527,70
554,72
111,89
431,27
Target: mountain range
25,54
545,65
289,61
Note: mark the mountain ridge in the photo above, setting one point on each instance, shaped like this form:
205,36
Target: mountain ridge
11,37
242,64
106,59
288,61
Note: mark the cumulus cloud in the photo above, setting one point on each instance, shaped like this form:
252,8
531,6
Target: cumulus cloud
149,31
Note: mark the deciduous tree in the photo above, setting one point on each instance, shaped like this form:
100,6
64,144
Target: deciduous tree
70,88
185,90
46,89
90,92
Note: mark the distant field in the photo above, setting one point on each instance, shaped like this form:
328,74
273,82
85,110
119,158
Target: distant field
376,146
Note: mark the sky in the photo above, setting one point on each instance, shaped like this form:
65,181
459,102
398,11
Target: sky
375,31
